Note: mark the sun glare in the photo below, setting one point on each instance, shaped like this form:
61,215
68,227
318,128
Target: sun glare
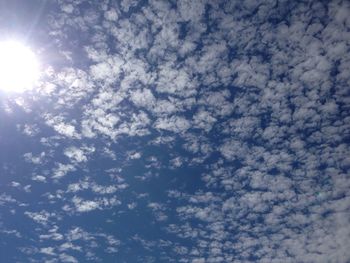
19,68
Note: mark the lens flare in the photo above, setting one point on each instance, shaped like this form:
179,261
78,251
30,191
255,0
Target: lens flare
19,68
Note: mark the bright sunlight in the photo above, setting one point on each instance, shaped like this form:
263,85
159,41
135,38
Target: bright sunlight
19,68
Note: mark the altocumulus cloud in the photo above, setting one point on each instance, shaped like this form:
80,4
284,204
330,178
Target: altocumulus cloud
181,131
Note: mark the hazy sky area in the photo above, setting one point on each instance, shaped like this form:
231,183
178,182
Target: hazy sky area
185,131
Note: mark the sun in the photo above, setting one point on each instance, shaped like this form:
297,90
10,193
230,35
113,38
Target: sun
19,68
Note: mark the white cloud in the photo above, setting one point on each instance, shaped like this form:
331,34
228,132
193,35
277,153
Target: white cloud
204,120
78,154
48,251
34,159
68,258
62,169
82,205
85,206
175,124
42,217
143,98
59,126
111,14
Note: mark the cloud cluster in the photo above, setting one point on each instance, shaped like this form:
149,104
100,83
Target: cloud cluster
222,127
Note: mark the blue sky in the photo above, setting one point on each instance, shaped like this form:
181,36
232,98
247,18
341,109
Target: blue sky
178,131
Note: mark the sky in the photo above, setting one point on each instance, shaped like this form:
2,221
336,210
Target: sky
178,131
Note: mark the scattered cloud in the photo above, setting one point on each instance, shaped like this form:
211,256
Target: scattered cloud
188,131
